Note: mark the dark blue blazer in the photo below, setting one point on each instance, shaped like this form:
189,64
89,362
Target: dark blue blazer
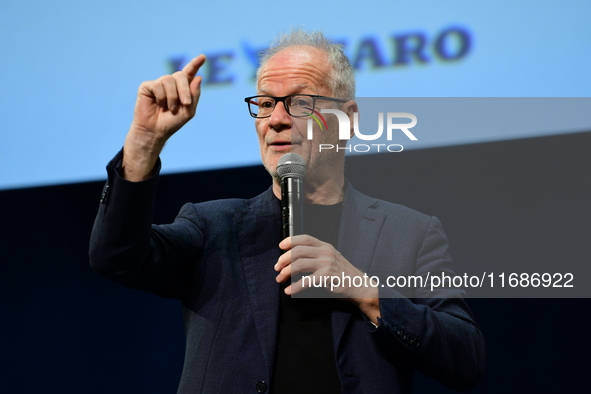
217,258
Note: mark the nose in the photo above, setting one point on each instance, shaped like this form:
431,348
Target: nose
280,119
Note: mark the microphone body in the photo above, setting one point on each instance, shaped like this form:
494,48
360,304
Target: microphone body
291,168
292,211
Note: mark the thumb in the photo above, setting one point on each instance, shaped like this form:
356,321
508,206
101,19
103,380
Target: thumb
195,89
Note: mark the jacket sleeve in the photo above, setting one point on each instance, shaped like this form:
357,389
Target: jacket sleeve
127,248
435,331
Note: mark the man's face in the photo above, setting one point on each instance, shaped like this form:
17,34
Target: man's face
296,70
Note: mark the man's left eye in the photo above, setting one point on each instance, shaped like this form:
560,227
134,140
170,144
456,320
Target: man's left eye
300,102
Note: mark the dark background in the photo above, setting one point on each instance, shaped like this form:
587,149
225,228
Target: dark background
505,206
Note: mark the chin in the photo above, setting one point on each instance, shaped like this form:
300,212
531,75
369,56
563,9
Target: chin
270,165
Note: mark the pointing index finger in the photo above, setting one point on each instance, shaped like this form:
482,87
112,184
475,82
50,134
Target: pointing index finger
194,65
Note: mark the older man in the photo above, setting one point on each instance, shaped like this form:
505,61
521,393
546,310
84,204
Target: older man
221,259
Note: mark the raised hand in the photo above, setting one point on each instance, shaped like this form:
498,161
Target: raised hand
162,107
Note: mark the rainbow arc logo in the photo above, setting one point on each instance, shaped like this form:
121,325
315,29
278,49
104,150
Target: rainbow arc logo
317,118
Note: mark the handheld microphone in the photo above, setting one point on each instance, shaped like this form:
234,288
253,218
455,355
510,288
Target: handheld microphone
291,168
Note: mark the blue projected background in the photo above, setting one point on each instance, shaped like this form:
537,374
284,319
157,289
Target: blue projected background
70,70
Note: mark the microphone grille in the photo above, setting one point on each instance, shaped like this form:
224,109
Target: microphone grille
291,165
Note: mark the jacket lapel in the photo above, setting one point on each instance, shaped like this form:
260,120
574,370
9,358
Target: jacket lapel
259,233
359,231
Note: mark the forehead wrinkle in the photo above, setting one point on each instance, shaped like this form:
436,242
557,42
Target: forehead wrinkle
293,70
293,87
307,79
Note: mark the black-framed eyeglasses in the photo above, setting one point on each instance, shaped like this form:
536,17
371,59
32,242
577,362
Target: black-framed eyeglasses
298,105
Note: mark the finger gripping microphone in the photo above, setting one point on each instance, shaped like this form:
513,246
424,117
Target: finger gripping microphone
291,169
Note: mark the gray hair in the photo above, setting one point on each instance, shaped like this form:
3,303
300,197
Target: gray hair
342,79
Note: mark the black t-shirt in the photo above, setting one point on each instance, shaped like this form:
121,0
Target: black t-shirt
305,359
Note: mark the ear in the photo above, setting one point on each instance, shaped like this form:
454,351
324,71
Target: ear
350,108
